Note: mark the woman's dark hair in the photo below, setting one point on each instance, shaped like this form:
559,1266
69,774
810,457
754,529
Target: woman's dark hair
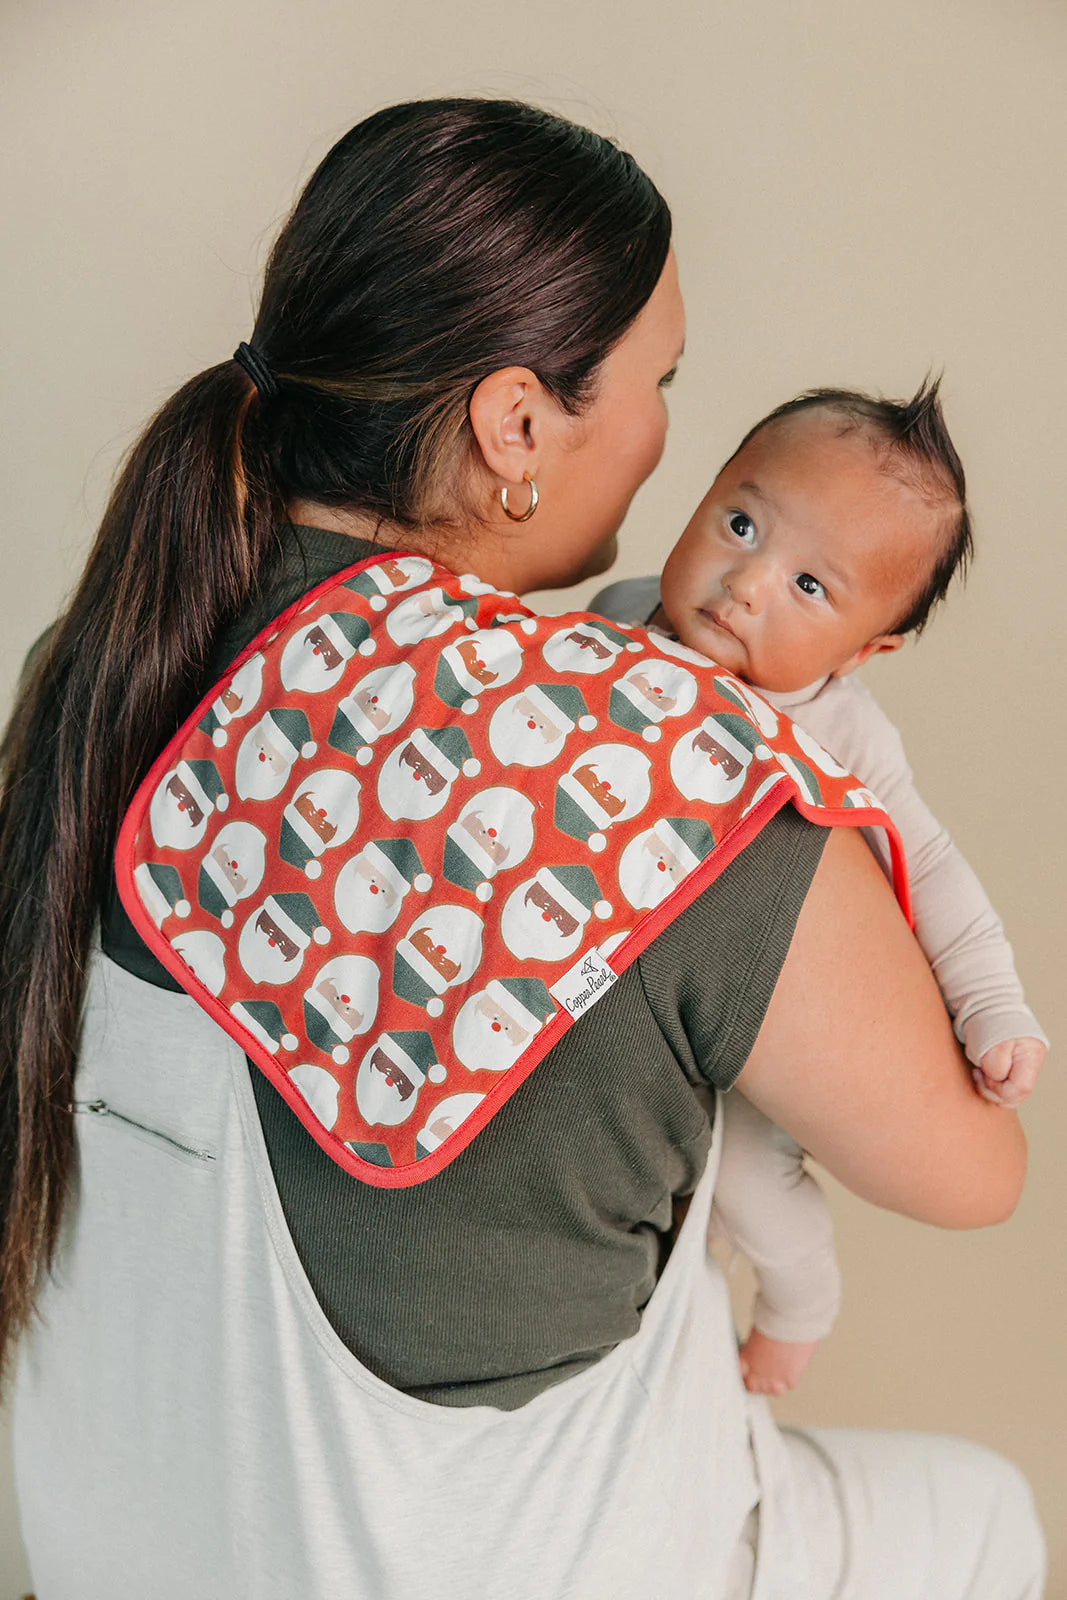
915,443
436,242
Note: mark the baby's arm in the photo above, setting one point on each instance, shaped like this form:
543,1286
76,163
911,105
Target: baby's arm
771,1209
961,935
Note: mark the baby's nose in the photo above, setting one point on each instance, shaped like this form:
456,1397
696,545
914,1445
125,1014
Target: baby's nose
746,583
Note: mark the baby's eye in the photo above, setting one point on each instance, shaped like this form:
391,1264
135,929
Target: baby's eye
808,584
742,526
668,378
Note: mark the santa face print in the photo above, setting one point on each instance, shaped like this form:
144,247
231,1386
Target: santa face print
415,780
583,647
423,616
368,893
181,807
654,689
387,1084
490,1032
709,764
442,947
390,577
377,704
205,955
486,659
526,733
652,866
236,862
239,697
606,784
341,1003
319,1089
323,814
540,921
264,762
271,947
494,830
314,659
443,1121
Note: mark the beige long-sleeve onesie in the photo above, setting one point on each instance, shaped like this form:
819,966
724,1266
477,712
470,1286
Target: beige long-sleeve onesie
766,1202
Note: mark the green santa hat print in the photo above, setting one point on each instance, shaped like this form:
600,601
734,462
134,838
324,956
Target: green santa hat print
688,839
290,729
750,704
741,729
299,845
376,1155
264,1022
466,865
203,782
413,1052
574,887
399,863
374,584
215,893
347,633
296,916
211,724
462,694
353,733
160,891
448,751
630,709
562,704
525,1000
802,775
326,1030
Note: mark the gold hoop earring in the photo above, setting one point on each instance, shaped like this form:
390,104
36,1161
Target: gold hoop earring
520,516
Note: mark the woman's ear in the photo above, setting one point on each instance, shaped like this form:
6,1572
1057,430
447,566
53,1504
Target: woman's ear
882,642
509,412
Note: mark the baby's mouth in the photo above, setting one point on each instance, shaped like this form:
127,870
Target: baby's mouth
714,618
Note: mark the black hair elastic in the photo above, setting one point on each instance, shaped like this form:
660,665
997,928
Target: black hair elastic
255,364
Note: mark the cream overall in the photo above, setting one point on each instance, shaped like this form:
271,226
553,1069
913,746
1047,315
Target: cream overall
189,1425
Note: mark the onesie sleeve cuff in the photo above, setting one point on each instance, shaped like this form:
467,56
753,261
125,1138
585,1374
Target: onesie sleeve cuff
987,1028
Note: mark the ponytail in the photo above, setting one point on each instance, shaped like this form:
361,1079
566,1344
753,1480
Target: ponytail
180,550
438,241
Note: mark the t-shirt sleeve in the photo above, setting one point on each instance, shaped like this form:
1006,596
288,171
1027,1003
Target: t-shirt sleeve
710,974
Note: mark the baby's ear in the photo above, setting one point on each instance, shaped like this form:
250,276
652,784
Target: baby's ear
876,646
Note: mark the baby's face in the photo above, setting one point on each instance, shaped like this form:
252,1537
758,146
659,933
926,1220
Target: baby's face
800,557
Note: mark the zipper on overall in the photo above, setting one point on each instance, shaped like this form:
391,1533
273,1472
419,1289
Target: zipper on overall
100,1108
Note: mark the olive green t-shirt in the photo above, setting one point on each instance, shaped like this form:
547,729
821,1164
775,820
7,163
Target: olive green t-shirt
532,1254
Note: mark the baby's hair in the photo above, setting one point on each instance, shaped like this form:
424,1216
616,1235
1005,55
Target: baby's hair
917,441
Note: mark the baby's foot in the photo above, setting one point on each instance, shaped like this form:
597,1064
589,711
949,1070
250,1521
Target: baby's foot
771,1366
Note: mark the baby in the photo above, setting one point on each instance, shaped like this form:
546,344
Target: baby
830,535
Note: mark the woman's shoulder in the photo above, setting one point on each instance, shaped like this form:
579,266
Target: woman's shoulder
628,599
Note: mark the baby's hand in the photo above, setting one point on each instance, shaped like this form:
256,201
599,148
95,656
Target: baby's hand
1009,1071
771,1366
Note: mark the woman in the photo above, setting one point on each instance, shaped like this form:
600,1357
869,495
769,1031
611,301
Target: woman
255,1374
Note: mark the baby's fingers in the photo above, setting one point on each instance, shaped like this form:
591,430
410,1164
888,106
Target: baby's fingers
996,1063
1007,1094
1026,1064
993,1092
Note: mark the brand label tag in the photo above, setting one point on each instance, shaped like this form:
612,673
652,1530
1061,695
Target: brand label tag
584,983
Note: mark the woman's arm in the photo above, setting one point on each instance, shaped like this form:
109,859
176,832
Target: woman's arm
857,1060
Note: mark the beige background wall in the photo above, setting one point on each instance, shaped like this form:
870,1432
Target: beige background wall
861,191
